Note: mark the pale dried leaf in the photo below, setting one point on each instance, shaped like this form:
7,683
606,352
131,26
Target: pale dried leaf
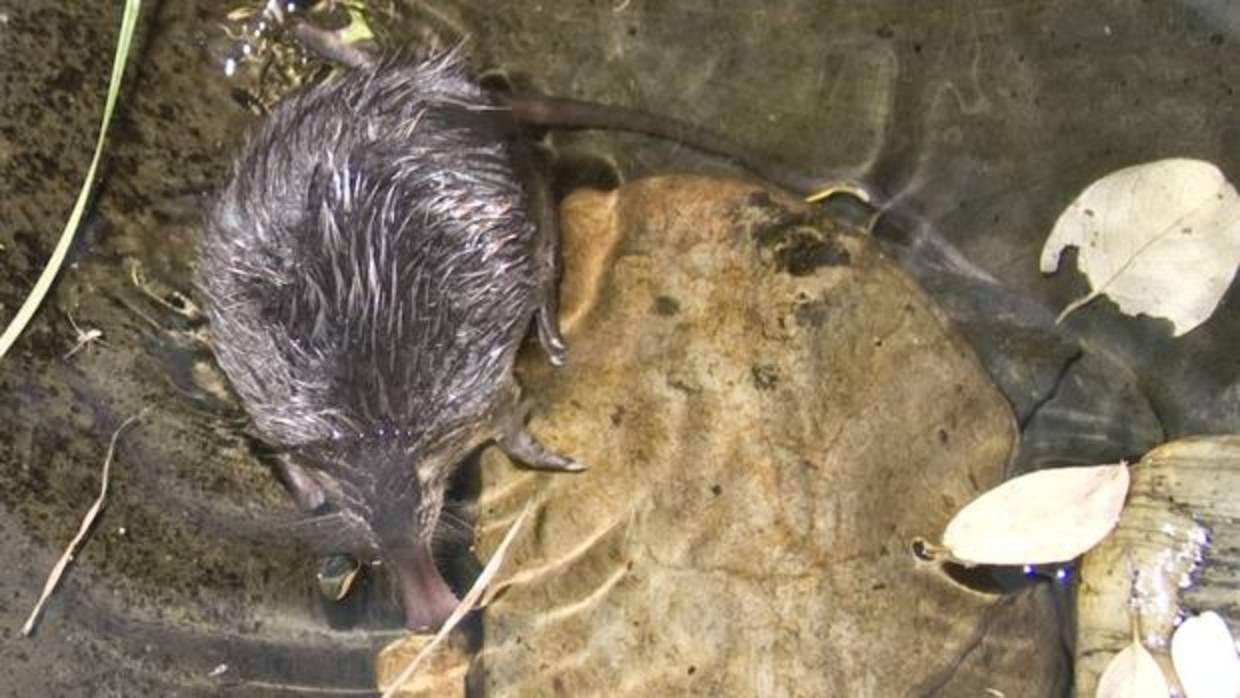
1133,673
1162,239
1043,517
1205,658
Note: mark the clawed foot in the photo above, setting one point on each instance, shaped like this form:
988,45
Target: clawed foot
522,447
549,336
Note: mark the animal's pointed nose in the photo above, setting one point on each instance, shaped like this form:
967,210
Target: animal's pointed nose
427,599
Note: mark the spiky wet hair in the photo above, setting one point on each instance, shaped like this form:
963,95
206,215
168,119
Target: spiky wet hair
369,272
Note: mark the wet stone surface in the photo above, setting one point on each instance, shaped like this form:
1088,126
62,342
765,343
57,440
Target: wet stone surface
1175,553
757,474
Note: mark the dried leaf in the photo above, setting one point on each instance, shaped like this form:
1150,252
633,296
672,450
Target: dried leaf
1133,673
1043,517
1205,658
1161,239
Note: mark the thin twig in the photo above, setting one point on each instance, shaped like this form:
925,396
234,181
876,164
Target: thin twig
853,189
301,688
54,577
187,308
465,606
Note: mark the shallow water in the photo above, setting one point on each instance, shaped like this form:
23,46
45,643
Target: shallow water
979,121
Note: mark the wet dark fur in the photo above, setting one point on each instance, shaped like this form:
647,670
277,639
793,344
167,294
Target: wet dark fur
370,273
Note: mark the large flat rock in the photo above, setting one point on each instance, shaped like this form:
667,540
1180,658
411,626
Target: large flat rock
772,412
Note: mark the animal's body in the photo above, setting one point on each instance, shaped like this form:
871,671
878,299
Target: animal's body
370,272
372,267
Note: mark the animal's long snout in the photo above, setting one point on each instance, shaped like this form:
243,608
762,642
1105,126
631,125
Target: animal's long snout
427,599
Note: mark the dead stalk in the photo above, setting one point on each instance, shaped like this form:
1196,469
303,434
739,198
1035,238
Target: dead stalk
58,570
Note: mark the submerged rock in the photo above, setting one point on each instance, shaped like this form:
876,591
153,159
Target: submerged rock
1172,555
772,412
441,674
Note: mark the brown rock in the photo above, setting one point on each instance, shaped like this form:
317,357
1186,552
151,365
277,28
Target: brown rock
772,411
442,675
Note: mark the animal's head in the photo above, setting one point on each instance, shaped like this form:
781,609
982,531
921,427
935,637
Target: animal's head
383,502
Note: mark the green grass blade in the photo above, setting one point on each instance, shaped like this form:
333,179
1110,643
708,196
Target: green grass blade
35,299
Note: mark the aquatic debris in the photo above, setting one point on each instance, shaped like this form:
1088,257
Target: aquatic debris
1047,516
1133,673
53,578
1160,239
1205,657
